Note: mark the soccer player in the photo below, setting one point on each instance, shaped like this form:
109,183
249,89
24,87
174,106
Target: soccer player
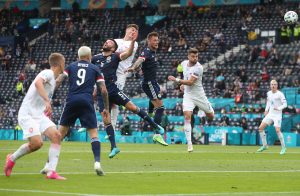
148,62
123,45
108,61
276,102
194,94
34,118
83,75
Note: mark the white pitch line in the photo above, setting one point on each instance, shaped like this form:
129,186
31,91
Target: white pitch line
160,152
151,172
180,194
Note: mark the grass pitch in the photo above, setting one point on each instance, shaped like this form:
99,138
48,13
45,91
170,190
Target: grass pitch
151,169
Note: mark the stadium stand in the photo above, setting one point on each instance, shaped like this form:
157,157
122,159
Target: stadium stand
238,85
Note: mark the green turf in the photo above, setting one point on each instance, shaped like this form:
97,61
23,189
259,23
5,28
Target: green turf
145,169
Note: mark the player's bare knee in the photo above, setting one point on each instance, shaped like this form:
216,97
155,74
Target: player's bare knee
210,116
33,146
56,138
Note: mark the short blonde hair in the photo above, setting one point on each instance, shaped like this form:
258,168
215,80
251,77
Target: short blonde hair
84,51
56,59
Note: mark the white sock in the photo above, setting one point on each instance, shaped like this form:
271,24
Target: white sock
188,131
263,138
47,165
24,149
54,151
280,137
114,116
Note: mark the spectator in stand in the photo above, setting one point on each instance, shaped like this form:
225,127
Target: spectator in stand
264,74
243,124
181,41
243,77
19,88
295,83
224,121
178,109
180,71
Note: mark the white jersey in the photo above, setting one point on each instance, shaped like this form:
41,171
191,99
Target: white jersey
123,46
275,100
197,72
33,104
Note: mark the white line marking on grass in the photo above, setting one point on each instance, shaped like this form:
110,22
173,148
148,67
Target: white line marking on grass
151,172
200,194
161,152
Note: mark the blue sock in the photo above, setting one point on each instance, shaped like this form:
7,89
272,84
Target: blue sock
147,118
96,148
111,135
158,114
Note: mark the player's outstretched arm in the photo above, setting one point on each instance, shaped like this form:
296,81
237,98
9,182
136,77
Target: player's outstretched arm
136,65
102,88
188,82
59,80
39,84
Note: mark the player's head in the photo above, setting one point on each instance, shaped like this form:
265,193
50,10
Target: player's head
110,45
131,29
85,53
57,61
274,85
193,55
152,40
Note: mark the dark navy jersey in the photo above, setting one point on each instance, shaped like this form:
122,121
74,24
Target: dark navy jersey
150,64
108,66
82,77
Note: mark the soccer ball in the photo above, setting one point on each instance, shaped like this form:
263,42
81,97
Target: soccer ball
291,17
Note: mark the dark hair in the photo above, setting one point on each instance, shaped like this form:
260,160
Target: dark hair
116,45
193,50
133,25
152,34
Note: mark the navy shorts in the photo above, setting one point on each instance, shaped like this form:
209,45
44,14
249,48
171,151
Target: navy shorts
81,108
152,89
116,97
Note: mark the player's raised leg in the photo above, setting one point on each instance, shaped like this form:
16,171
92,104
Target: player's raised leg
35,143
157,128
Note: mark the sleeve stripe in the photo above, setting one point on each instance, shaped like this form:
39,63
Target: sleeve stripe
66,73
100,80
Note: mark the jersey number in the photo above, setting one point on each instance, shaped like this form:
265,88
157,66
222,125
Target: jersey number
81,75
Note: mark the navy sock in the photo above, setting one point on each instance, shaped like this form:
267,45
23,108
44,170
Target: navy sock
96,148
147,118
158,114
151,107
111,135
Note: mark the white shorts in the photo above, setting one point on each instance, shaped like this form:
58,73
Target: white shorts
269,119
189,103
34,126
121,80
